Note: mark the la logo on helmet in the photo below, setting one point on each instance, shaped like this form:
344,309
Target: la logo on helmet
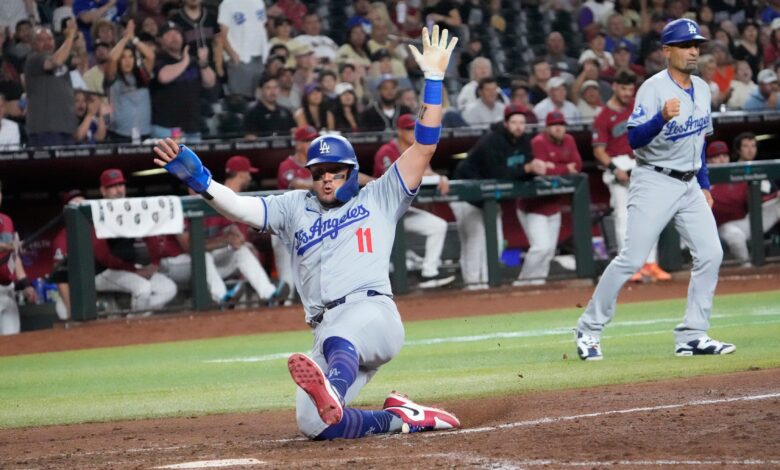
324,147
692,28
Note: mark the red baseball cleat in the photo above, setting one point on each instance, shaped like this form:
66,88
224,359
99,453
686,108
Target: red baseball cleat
308,375
418,418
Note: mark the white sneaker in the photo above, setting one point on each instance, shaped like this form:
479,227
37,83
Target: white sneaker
588,347
703,346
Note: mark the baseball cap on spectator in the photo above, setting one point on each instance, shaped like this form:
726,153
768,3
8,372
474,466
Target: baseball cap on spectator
767,76
386,78
513,109
238,163
71,195
590,83
406,122
167,26
309,88
305,134
555,82
342,88
111,177
303,49
555,118
621,47
717,147
380,54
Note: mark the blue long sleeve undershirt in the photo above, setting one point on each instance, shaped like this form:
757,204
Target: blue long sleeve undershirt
703,176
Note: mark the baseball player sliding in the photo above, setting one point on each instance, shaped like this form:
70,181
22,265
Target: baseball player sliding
340,239
666,130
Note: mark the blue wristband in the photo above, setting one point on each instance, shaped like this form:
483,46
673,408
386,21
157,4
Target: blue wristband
426,135
432,93
189,169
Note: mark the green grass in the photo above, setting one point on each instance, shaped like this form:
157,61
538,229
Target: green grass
442,359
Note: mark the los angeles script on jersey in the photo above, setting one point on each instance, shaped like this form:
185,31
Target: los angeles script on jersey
320,229
674,130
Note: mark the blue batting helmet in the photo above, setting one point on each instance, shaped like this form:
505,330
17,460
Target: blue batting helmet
336,149
682,30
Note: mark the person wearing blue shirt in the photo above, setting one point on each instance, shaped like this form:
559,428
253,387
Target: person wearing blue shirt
767,97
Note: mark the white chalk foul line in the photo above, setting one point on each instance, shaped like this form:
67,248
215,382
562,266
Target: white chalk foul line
558,419
215,463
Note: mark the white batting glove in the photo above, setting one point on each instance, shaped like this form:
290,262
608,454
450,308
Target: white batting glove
435,55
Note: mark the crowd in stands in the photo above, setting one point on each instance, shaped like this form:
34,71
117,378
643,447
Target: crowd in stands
91,71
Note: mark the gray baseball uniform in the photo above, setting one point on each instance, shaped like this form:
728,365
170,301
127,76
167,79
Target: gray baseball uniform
338,253
656,198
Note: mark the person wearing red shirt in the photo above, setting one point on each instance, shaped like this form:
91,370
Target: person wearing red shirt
730,206
418,221
12,276
611,149
541,217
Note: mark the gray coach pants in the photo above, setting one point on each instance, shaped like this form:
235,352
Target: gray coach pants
653,200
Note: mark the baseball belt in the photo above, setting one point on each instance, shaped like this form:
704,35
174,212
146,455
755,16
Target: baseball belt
679,175
317,319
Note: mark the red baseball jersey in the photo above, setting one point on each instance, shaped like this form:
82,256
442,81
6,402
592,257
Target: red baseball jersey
385,157
560,155
7,258
164,246
289,170
730,201
610,129
216,225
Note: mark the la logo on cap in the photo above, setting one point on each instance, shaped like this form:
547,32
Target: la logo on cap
324,147
692,28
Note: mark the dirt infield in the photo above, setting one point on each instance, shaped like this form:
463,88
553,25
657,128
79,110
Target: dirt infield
727,421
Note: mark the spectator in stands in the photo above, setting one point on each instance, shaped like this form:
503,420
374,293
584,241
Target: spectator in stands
283,28
590,71
541,72
408,98
51,119
355,50
197,24
89,12
12,276
504,152
273,66
556,56
328,80
267,116
62,12
731,202
91,118
149,30
79,63
227,241
315,109
406,17
150,9
480,68
628,10
742,86
767,97
541,217
361,10
472,50
127,86
617,35
589,103
489,106
345,109
418,221
556,101
304,67
770,12
242,27
21,47
380,39
293,9
707,68
520,98
622,58
772,49
103,31
383,64
179,79
445,13
748,48
655,61
10,138
595,50
652,38
325,48
118,263
724,72
382,113
289,96
95,76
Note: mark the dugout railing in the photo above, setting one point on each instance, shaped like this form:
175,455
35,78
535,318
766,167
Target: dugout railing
489,192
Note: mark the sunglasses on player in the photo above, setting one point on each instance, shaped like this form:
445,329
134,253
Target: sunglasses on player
339,172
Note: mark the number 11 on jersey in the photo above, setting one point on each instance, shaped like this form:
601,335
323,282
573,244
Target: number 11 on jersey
364,240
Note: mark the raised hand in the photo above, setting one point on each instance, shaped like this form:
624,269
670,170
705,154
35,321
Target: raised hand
671,109
435,54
